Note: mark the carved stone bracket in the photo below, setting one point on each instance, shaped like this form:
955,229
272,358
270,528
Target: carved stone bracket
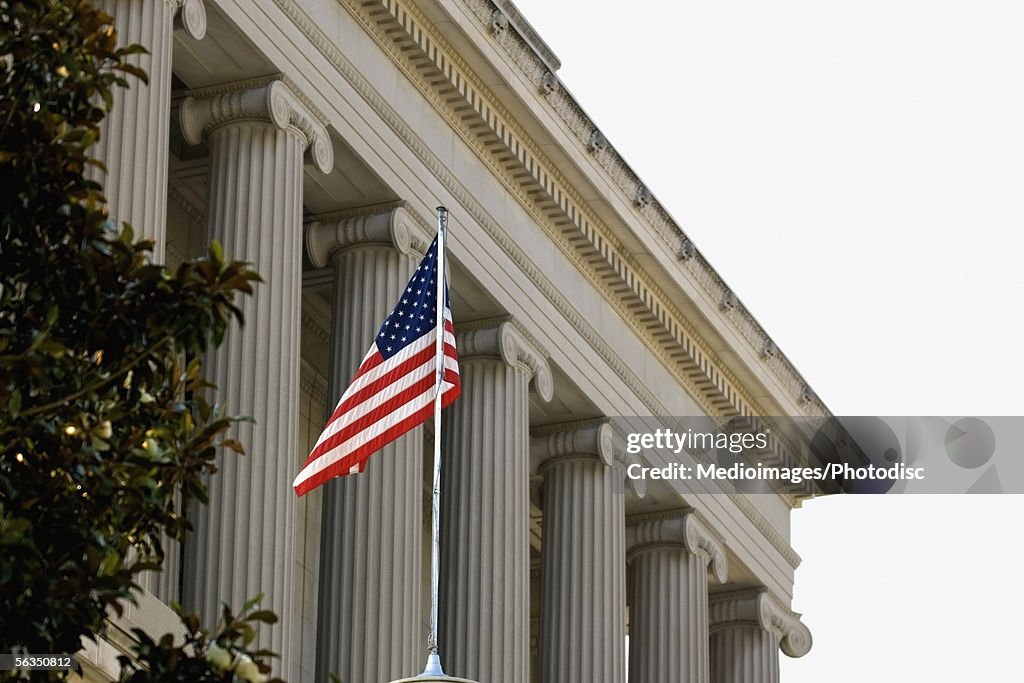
508,343
274,102
755,607
190,15
548,83
643,197
329,234
499,22
686,250
677,527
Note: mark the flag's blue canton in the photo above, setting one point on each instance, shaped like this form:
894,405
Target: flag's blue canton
415,313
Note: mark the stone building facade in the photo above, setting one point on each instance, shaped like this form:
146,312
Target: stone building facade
314,138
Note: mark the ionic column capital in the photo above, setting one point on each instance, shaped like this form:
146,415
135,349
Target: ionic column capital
274,102
590,440
504,341
676,527
191,16
329,235
794,636
755,607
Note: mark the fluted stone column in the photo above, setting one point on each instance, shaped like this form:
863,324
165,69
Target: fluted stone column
134,137
485,553
243,540
583,598
368,626
133,146
669,556
747,629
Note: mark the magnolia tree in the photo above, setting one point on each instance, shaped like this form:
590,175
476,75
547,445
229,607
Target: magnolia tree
102,410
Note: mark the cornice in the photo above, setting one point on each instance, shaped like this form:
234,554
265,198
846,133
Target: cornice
473,209
646,307
653,212
520,24
502,130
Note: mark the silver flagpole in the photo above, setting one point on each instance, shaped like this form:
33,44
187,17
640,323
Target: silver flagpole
433,667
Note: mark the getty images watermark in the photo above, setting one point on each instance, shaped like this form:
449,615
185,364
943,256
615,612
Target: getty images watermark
807,456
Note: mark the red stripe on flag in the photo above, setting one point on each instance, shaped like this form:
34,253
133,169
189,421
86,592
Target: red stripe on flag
359,456
382,382
385,409
372,417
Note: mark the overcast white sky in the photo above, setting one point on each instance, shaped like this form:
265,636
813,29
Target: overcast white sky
855,171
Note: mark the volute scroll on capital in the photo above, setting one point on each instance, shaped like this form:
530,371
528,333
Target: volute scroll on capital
190,15
590,441
794,636
329,235
639,485
274,102
677,528
756,607
505,341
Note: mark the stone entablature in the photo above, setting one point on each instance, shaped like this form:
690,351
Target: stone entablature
416,47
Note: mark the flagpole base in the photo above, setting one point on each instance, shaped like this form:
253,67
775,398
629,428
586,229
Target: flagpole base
434,672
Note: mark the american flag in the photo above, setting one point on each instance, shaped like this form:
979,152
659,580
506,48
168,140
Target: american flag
394,389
